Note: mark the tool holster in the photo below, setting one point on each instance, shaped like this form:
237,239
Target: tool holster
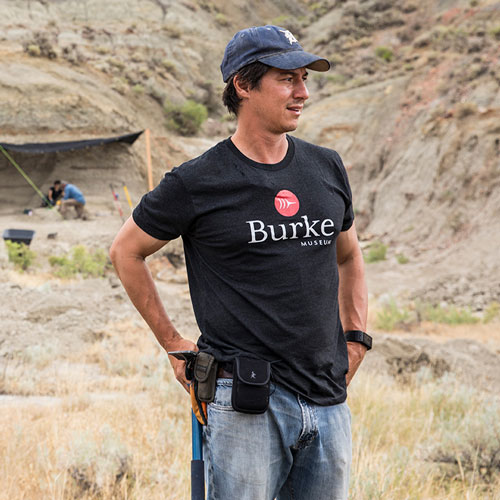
203,385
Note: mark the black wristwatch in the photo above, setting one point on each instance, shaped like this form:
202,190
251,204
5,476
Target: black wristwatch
359,336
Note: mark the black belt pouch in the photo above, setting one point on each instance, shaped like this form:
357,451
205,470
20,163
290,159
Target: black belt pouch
251,385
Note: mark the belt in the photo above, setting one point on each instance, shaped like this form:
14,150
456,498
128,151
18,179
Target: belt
225,370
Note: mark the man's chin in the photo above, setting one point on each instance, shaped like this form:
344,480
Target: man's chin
289,127
284,127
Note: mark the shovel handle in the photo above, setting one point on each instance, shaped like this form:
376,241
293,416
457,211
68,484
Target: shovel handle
197,480
197,465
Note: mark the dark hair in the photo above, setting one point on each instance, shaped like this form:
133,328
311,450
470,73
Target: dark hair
57,182
250,74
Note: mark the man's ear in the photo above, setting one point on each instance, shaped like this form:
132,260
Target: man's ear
241,86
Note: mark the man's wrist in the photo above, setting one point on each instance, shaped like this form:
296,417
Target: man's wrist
359,336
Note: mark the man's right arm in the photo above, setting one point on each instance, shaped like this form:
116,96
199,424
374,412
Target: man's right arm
128,252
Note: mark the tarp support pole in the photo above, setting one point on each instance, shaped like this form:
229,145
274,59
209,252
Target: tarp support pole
148,159
30,182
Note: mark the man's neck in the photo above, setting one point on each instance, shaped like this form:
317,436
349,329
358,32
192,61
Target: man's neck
261,147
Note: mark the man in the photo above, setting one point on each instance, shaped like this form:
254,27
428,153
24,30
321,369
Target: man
73,197
55,192
274,265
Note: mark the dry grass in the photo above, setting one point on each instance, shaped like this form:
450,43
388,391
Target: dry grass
114,424
42,448
397,428
487,333
108,422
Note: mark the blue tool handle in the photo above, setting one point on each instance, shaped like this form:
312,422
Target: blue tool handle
197,465
197,480
197,440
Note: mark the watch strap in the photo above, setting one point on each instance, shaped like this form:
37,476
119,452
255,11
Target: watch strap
359,336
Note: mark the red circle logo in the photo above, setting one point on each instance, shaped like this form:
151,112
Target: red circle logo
286,203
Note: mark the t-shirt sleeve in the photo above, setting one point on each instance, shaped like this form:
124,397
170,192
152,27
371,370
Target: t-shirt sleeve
166,212
349,212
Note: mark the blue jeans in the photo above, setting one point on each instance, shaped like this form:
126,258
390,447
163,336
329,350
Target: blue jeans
295,451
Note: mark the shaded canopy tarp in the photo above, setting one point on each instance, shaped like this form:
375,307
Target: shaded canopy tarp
56,147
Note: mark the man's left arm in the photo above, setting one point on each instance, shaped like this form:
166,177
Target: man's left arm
353,294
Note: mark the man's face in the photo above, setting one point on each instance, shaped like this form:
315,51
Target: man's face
277,103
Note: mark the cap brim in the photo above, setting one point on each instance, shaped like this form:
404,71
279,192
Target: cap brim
294,59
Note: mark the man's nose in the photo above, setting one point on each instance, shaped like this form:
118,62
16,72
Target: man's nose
300,90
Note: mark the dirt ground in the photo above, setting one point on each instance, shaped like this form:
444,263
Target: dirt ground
43,315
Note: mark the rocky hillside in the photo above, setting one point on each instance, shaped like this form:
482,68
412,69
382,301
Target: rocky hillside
73,70
101,67
412,105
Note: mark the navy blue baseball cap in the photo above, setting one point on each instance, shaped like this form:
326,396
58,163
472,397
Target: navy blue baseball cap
270,45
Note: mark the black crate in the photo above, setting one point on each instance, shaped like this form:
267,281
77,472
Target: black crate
19,235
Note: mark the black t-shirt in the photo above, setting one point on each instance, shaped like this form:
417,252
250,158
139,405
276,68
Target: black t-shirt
56,193
260,252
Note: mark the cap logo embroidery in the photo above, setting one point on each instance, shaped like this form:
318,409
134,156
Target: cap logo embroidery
289,36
